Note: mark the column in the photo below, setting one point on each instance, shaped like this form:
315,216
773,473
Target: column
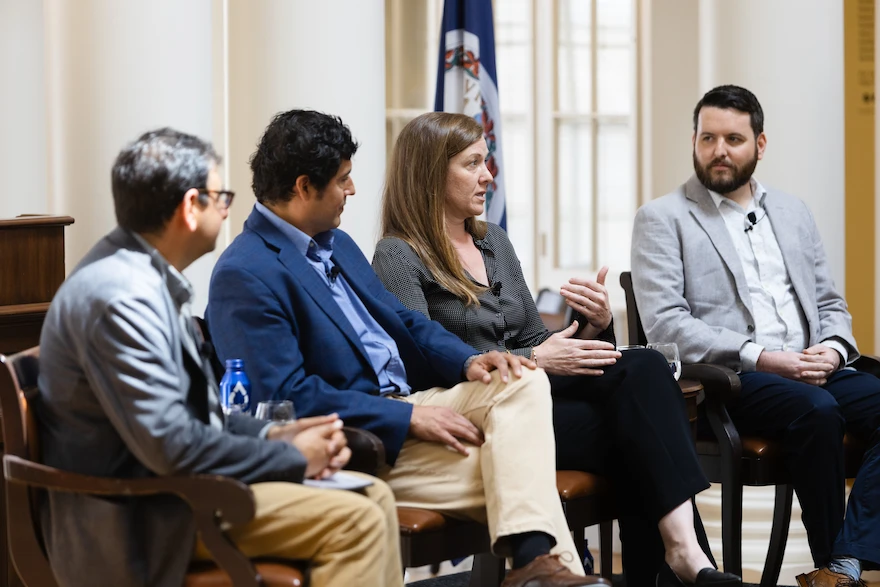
22,110
113,71
326,56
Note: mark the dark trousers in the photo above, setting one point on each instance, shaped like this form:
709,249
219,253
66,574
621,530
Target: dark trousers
810,422
630,425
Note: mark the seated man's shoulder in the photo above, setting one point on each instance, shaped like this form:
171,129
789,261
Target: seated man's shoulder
780,197
244,245
669,206
340,236
108,273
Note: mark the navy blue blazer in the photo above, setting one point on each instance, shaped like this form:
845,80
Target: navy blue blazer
268,306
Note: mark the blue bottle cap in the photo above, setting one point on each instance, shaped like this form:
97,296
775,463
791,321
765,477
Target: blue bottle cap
235,363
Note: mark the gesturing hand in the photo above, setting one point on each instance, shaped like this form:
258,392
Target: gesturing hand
324,447
813,367
482,366
444,425
590,299
561,354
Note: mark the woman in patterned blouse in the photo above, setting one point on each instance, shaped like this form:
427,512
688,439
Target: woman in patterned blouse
617,414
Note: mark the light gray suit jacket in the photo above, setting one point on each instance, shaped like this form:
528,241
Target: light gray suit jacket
117,400
690,286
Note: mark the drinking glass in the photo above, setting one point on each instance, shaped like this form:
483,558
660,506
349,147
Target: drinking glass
670,351
276,411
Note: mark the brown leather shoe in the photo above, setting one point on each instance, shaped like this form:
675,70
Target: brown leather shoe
825,578
547,571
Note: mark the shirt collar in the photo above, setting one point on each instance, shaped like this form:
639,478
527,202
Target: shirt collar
322,241
758,196
179,287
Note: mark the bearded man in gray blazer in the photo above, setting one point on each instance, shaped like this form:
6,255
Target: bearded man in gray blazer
126,390
736,274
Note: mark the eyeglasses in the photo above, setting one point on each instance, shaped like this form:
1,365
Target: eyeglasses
222,197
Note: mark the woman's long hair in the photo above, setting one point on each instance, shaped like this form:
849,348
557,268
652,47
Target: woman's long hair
414,198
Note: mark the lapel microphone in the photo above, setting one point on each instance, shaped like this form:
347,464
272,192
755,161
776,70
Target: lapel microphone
753,220
332,274
496,288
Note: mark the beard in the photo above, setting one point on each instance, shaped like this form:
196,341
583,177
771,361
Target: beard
738,177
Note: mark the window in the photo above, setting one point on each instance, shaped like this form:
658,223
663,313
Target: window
567,85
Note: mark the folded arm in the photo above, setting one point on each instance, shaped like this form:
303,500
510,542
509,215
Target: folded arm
130,366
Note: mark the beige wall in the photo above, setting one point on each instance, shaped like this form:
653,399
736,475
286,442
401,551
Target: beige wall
22,109
81,78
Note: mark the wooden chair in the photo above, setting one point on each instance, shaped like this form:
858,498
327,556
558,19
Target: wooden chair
736,461
213,499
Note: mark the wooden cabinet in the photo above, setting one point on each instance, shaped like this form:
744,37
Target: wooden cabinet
31,270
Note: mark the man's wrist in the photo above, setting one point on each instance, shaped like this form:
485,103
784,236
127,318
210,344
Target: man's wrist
467,364
836,345
749,355
269,430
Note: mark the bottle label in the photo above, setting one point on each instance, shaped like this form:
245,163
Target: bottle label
238,396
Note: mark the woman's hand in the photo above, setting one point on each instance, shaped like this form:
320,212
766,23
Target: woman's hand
590,299
561,354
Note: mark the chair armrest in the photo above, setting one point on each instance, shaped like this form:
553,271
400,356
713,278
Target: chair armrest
367,451
213,499
719,383
868,364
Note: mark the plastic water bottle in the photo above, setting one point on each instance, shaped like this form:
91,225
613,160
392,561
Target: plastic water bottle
235,388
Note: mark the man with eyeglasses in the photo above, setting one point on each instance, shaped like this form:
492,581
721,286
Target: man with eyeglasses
127,390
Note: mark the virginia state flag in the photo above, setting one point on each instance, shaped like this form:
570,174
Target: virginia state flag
467,83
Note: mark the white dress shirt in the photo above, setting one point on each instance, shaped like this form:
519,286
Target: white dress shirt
780,323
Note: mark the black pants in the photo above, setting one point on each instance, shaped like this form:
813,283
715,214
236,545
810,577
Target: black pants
630,425
810,422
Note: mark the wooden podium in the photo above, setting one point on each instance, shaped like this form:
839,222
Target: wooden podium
31,270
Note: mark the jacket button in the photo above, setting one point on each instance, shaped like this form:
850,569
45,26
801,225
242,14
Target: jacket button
750,327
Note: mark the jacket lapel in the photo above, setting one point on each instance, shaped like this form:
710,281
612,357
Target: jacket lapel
706,213
305,276
791,247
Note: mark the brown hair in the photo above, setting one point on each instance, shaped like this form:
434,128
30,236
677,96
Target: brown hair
414,198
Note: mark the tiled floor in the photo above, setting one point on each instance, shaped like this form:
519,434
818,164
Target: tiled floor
446,568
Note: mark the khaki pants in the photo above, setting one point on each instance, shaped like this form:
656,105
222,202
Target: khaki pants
510,482
349,538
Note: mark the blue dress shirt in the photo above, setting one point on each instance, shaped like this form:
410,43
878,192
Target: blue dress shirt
382,351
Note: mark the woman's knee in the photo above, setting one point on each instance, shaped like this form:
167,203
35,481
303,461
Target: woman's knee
646,360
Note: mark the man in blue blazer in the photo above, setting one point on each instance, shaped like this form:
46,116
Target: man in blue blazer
126,390
467,434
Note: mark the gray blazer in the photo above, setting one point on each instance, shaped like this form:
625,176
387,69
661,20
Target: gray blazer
689,283
118,400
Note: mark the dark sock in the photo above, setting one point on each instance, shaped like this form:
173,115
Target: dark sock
528,546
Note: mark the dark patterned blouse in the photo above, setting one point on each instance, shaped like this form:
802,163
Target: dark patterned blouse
506,319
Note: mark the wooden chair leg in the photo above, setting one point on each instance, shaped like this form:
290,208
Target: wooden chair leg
731,526
778,536
730,446
605,548
580,543
488,570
